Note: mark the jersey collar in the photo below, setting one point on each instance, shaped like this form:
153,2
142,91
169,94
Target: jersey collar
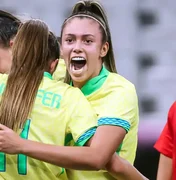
95,83
48,75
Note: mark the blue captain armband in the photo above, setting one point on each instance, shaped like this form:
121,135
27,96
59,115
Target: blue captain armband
114,122
85,137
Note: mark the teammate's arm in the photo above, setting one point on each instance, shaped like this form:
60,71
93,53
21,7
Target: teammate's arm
121,169
83,158
79,158
94,157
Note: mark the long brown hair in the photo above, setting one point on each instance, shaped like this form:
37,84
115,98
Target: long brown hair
33,49
95,10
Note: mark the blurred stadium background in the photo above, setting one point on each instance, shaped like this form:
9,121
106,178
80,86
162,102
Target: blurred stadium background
144,39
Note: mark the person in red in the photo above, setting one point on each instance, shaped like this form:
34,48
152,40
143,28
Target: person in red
166,145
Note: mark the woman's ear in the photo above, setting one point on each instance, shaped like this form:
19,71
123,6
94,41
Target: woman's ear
53,65
104,49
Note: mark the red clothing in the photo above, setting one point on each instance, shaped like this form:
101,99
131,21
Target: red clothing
166,144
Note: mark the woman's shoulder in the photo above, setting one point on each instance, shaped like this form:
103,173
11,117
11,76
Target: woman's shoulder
60,71
118,81
3,77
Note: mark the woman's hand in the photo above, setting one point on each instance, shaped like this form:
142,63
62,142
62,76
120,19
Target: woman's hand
10,142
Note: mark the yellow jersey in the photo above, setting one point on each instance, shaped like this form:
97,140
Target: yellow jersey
115,101
60,71
59,110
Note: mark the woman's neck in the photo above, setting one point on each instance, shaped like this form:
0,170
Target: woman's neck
78,84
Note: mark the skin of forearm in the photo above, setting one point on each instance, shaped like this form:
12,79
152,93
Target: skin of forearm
122,169
78,158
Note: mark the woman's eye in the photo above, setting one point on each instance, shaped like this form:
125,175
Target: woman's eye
69,40
88,41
